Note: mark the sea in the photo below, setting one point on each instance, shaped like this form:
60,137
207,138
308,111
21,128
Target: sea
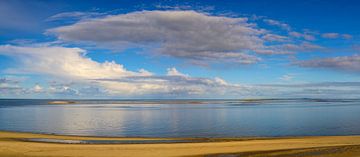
183,118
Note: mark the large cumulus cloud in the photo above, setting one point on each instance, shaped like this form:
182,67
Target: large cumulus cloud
189,35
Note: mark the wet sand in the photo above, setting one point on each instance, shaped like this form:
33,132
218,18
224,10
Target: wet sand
14,144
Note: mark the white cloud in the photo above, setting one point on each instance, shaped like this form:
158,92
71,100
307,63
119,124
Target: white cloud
286,77
305,35
336,35
64,90
9,86
290,48
74,16
37,88
174,86
65,62
277,23
274,37
220,81
190,35
345,63
330,35
173,72
313,90
72,64
346,36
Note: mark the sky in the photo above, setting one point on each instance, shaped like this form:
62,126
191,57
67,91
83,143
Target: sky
178,49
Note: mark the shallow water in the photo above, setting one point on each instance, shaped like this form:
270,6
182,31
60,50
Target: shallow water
194,118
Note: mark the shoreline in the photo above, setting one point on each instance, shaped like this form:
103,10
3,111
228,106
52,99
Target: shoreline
207,139
15,144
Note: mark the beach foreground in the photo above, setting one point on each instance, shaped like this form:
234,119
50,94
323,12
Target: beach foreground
19,144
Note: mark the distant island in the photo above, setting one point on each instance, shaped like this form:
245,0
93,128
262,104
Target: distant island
61,102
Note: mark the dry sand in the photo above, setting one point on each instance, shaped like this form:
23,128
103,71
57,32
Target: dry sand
12,145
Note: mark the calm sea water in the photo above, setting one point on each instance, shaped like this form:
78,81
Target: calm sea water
195,118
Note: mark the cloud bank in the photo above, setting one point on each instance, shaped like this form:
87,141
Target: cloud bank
72,64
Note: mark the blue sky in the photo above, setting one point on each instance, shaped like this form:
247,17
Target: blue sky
179,49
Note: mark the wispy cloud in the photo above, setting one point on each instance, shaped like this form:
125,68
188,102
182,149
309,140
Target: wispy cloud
10,86
306,36
287,77
74,16
317,84
336,35
330,35
313,90
278,23
346,63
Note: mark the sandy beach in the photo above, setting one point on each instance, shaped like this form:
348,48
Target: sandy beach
17,144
